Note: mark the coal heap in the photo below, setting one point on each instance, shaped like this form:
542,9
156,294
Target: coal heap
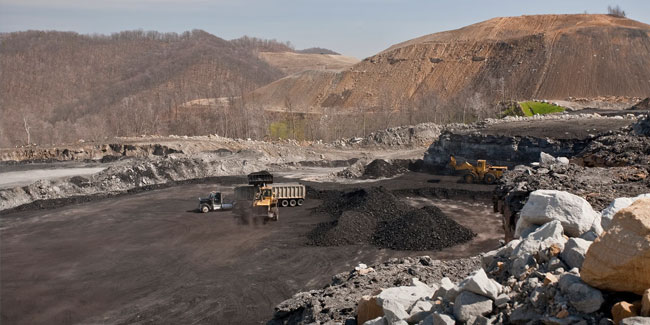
376,216
422,229
379,168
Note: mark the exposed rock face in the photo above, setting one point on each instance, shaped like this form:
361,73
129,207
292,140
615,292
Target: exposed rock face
420,134
619,260
498,150
108,152
574,212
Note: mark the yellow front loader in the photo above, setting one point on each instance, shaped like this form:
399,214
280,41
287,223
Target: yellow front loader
266,203
482,172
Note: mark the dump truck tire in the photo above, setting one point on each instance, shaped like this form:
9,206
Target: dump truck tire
284,203
490,178
205,208
292,203
300,202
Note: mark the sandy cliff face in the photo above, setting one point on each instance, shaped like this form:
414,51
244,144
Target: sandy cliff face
545,56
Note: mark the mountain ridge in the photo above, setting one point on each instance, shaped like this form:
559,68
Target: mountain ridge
540,56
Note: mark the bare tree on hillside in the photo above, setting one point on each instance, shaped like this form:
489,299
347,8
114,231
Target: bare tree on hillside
615,11
288,105
27,128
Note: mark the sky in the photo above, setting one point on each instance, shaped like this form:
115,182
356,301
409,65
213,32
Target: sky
358,28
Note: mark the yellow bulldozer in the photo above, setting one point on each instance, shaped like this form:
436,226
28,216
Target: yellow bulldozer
482,172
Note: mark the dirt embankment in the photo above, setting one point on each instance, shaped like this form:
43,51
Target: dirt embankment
542,56
103,152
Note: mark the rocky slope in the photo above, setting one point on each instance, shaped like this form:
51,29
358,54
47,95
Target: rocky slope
561,269
545,56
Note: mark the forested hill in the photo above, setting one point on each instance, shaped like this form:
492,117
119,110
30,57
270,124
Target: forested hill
63,86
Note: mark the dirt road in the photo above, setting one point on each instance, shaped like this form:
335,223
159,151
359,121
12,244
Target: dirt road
147,258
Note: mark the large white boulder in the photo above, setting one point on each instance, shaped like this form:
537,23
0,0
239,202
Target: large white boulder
479,283
616,205
405,296
541,239
468,305
575,213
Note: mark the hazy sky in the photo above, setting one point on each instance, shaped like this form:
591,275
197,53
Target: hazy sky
357,28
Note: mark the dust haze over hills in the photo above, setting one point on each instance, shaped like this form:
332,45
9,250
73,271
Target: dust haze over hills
541,56
60,87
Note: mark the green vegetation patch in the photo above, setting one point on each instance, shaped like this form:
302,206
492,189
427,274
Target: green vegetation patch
287,130
531,108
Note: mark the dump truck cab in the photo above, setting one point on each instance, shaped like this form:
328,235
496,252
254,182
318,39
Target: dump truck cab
214,202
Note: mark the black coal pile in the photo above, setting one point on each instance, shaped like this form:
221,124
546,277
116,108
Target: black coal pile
376,216
379,168
423,229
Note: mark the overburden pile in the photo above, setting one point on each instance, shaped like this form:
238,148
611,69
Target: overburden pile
379,168
376,216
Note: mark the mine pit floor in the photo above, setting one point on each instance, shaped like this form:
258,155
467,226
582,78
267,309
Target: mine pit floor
148,257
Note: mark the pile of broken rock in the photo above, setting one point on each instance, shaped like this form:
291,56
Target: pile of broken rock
563,268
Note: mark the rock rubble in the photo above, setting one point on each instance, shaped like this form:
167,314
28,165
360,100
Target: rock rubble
539,277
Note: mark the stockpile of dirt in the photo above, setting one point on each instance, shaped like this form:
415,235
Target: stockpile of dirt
379,168
376,216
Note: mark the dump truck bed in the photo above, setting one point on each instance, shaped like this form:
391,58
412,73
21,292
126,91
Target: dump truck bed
289,190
